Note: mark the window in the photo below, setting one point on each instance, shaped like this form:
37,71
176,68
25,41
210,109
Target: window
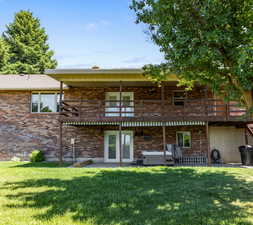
45,102
113,103
178,97
184,139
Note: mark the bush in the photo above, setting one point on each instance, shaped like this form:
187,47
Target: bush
37,156
15,159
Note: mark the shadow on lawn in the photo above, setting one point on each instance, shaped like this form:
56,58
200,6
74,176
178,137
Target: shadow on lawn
129,197
42,164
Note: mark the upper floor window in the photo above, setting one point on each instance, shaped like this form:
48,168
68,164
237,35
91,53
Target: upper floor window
45,102
112,106
178,97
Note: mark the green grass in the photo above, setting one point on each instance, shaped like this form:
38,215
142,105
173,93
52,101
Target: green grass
42,194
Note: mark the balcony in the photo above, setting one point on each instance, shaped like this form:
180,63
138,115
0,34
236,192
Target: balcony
150,111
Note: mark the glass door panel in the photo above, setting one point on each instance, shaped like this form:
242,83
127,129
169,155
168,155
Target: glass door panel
127,104
112,104
112,146
126,146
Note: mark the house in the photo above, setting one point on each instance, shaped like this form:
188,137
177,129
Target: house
82,113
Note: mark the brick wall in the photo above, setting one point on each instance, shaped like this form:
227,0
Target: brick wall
21,131
90,140
140,93
94,110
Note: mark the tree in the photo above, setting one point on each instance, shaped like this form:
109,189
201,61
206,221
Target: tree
210,42
28,47
4,54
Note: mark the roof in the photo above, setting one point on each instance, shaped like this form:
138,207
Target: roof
28,82
86,71
82,77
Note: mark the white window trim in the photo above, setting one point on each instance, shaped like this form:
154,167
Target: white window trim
184,132
44,92
123,113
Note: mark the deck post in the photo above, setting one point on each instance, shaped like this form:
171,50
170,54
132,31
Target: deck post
120,144
120,99
164,144
162,98
61,145
164,127
61,92
206,103
60,124
208,144
120,125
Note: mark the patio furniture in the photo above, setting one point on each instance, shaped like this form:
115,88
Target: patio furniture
181,159
157,158
175,150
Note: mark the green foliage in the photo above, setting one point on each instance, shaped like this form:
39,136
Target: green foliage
4,54
37,156
210,42
28,48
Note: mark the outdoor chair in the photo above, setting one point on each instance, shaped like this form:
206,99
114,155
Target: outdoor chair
176,151
170,149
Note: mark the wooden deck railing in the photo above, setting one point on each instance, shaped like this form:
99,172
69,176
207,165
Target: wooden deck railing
151,110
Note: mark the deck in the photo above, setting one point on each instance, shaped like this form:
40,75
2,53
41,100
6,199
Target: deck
212,110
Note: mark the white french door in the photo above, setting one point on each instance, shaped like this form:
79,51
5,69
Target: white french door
112,149
113,103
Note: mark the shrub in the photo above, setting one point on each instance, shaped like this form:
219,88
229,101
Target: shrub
15,159
37,156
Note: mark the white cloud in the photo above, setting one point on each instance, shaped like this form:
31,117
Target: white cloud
134,60
93,26
140,61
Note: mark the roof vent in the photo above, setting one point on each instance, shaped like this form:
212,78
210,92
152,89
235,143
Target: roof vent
95,67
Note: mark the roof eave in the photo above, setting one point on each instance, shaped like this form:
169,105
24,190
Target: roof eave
93,71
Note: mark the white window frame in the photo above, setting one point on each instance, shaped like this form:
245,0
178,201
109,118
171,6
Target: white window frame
41,93
125,111
173,97
184,132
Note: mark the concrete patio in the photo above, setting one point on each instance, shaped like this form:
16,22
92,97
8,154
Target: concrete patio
117,165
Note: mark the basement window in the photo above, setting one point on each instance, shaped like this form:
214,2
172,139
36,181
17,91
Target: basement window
45,102
184,139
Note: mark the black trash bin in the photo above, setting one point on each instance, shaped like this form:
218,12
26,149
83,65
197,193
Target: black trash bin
246,154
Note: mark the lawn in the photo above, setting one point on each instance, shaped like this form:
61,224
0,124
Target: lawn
44,194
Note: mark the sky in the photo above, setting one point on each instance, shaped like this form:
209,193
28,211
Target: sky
84,33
